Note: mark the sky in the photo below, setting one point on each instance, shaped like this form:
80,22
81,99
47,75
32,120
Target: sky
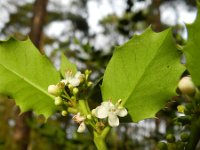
99,9
169,15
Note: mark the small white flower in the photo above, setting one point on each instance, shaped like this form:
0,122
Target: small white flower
80,120
81,127
74,80
107,109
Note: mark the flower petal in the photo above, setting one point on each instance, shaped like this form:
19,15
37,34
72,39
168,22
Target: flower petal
122,112
64,81
74,82
78,118
101,112
108,104
113,120
81,127
78,75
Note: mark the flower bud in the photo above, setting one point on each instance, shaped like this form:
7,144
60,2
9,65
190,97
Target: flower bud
64,113
70,86
94,112
73,98
54,90
75,91
89,84
58,101
88,72
89,116
186,86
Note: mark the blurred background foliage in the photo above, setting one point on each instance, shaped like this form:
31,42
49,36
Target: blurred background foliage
68,29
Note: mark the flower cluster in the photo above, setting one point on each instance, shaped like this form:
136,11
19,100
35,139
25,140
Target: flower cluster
68,92
110,111
69,96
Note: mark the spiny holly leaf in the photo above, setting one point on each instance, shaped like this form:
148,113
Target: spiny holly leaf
66,65
25,75
144,73
192,50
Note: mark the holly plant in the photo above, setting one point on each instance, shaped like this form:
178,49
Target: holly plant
141,77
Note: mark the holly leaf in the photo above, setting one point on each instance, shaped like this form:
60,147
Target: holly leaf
66,65
25,75
192,50
144,73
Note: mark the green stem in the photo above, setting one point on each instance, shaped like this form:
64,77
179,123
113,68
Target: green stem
83,107
85,110
100,143
99,139
72,110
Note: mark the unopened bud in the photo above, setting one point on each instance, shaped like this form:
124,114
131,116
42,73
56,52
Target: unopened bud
73,98
54,90
89,84
64,113
89,116
186,86
70,86
94,112
88,72
58,101
75,91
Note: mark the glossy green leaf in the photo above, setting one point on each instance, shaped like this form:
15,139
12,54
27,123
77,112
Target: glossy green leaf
144,73
25,75
66,65
192,50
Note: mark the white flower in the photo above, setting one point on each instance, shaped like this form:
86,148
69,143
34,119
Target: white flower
81,127
80,120
74,80
107,109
